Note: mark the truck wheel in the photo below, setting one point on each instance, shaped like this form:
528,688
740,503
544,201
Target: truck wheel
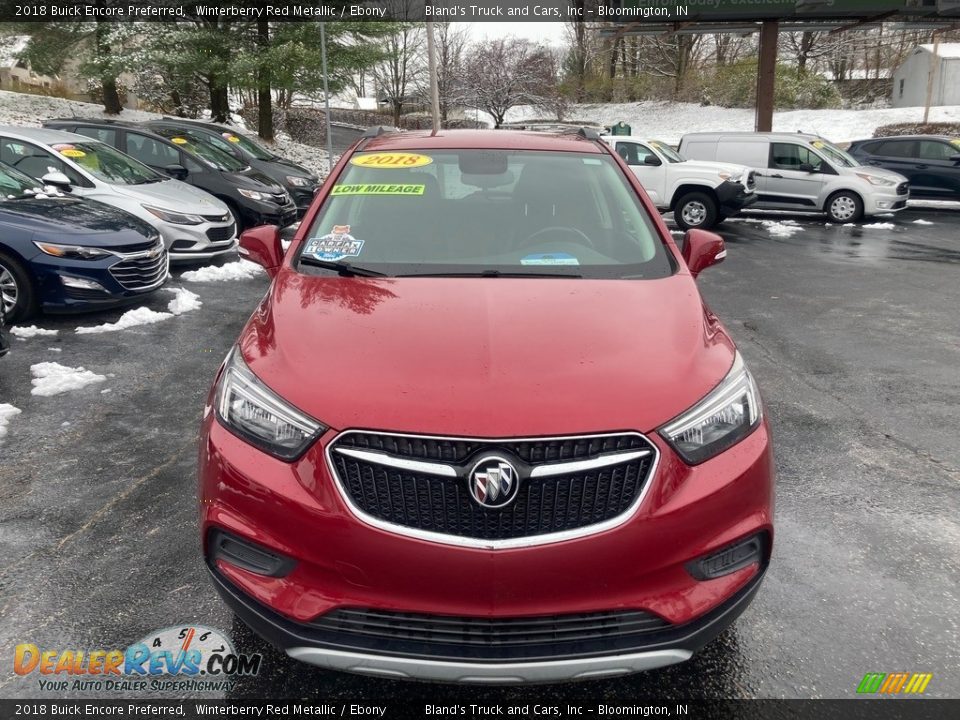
16,290
844,207
696,210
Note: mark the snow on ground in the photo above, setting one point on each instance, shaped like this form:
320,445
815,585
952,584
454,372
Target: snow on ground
668,121
31,331
921,221
184,301
33,110
237,270
130,319
783,228
50,378
7,413
879,226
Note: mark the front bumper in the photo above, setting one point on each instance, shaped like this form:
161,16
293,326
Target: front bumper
885,201
340,562
198,242
733,197
254,214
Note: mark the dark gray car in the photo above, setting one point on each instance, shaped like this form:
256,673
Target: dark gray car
931,162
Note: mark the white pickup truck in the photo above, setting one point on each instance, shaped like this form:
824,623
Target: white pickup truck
700,194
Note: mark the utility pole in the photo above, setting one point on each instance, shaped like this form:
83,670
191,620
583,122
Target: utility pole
432,68
934,62
326,95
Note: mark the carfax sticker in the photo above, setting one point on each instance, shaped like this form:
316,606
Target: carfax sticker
391,160
549,259
371,189
339,244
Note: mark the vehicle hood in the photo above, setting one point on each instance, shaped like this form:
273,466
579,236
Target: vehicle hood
487,356
879,172
254,180
53,219
286,167
173,195
708,166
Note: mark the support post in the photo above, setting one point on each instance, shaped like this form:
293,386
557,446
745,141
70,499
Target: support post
766,76
934,64
432,69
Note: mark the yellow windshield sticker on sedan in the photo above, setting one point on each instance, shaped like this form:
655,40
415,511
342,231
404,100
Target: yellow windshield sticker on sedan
178,141
818,144
371,189
232,138
391,160
955,142
72,153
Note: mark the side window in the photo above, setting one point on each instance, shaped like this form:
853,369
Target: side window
935,150
636,154
787,156
107,135
37,162
897,148
150,151
191,165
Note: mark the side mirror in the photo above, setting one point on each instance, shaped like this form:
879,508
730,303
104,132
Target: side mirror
177,172
262,246
58,180
807,168
701,249
955,158
651,160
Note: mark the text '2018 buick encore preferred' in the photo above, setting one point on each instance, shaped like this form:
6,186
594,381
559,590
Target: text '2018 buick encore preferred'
482,427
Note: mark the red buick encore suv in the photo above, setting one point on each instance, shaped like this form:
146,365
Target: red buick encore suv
482,427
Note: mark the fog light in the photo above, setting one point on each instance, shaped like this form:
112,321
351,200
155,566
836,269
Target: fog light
731,558
883,204
247,555
81,283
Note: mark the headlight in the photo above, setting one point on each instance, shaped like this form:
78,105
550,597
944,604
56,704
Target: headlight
732,177
248,408
725,416
174,217
252,194
879,181
72,252
298,181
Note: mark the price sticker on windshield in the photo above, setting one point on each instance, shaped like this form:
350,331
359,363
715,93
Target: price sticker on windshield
391,160
178,141
69,151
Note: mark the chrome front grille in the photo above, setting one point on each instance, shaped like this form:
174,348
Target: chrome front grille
419,485
143,270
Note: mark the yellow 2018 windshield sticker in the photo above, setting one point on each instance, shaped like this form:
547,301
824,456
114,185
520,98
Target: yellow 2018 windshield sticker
391,160
73,153
232,138
374,189
178,141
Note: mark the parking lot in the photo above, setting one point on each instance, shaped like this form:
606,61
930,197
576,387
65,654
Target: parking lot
851,331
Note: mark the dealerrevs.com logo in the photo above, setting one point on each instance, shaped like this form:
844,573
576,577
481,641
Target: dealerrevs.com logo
186,658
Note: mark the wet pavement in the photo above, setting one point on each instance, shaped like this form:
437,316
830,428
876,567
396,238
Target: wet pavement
852,332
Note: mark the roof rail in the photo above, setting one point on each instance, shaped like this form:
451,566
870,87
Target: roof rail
588,134
376,131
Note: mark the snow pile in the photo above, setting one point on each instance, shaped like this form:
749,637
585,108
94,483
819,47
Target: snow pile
783,228
879,226
31,332
185,301
7,413
50,378
131,318
237,270
921,221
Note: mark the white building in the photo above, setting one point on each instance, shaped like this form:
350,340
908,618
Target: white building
911,78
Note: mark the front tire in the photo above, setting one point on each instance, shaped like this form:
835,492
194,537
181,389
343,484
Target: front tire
696,210
844,207
16,290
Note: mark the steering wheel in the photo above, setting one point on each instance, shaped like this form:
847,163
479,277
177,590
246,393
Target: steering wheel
579,236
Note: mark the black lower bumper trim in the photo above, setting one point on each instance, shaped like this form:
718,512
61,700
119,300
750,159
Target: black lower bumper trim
285,633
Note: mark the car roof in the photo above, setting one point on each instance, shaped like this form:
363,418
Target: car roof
633,138
481,140
105,122
905,137
46,136
747,135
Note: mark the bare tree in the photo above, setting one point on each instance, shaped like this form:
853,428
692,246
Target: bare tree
505,72
450,44
396,76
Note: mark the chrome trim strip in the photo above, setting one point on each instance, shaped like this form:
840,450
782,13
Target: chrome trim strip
529,541
488,673
402,463
580,465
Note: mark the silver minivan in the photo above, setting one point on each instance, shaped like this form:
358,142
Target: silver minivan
194,224
800,172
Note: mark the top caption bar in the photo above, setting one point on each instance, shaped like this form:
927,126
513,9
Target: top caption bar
331,10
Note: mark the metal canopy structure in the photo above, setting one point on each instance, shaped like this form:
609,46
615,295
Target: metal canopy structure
769,18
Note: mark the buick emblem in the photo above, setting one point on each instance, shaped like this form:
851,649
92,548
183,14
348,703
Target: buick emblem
493,482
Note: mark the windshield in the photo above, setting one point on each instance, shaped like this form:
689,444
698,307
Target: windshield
107,164
203,151
486,212
668,152
835,154
14,184
248,145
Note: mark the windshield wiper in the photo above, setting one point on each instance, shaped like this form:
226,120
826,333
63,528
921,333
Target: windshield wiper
341,268
491,273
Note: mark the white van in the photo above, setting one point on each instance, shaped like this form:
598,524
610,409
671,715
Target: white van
798,172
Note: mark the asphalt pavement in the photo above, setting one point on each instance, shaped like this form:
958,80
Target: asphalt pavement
853,335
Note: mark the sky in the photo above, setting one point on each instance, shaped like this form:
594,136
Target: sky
551,33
